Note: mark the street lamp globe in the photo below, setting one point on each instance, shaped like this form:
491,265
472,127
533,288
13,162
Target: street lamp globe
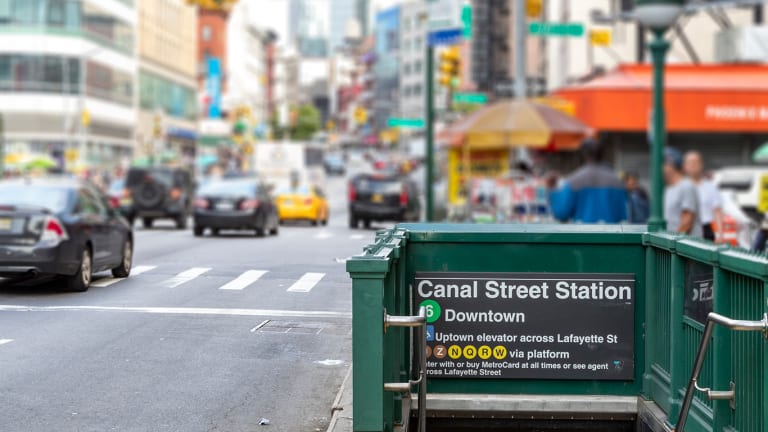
658,14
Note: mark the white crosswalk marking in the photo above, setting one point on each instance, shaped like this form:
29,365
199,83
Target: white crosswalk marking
306,282
142,269
5,341
244,280
357,236
185,276
323,235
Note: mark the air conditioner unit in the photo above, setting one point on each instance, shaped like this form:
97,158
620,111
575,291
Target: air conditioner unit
742,45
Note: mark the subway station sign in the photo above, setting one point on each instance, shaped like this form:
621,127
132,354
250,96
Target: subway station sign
565,326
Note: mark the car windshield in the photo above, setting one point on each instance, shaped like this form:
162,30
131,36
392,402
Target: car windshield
379,185
137,176
53,198
228,188
301,190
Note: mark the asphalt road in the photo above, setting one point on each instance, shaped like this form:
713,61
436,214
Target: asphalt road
208,334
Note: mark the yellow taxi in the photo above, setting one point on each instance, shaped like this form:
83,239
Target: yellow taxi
302,203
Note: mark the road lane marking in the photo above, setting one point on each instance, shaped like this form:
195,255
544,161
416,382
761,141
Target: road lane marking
244,280
181,311
107,281
306,282
323,235
142,269
5,341
357,236
261,324
185,276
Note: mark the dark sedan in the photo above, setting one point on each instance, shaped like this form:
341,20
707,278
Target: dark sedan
61,227
236,204
382,198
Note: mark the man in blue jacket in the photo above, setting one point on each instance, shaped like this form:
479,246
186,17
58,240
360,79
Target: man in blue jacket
592,194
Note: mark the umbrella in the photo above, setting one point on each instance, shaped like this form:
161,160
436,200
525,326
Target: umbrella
42,163
761,154
517,123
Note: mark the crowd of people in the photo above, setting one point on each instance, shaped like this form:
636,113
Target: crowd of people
596,194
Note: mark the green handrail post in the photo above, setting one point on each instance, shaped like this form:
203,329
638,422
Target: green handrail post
650,320
722,361
659,47
430,134
368,344
679,367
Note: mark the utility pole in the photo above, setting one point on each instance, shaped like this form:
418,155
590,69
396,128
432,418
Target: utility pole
521,82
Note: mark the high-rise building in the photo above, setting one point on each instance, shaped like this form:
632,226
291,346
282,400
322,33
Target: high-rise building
308,22
67,81
343,18
167,78
412,68
387,68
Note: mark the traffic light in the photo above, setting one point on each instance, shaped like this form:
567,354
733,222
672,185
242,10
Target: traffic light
450,66
533,8
361,115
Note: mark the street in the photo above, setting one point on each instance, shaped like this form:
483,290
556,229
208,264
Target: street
208,334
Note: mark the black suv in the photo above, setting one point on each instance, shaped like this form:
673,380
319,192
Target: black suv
159,193
382,198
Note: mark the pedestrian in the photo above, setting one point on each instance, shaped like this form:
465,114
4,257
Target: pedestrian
638,204
592,194
681,199
762,236
710,201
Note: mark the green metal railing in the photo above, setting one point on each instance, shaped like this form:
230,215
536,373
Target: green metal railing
668,328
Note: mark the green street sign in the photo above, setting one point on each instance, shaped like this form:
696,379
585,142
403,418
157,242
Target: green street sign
470,98
538,28
466,20
414,123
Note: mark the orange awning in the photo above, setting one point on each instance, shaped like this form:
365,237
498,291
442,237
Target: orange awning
699,98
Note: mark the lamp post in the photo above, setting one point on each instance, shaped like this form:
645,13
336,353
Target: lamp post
659,16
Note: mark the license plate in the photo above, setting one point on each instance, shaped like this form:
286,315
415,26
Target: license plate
225,206
377,198
5,224
126,202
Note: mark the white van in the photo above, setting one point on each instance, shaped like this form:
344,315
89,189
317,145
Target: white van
744,182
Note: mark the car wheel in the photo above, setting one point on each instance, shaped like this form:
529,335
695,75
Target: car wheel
214,231
367,224
259,232
352,221
198,231
80,281
147,222
274,231
124,269
313,222
181,222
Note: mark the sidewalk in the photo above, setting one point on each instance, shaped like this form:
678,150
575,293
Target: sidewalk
341,417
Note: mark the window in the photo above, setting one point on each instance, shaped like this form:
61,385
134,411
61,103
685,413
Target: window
39,73
417,65
417,90
88,204
159,93
207,33
54,13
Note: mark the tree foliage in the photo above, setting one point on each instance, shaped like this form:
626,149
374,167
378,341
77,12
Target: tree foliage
305,122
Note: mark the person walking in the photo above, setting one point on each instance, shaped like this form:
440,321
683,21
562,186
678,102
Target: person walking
592,194
681,198
637,199
710,201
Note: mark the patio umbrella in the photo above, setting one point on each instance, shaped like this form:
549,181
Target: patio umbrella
761,154
517,123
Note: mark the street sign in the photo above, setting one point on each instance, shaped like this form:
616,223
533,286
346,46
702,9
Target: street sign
445,37
538,28
405,123
466,20
502,326
470,98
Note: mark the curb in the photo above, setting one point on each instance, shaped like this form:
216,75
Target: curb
338,406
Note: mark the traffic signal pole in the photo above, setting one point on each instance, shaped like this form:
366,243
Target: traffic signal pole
429,133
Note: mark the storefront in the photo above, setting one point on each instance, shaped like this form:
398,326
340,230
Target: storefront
720,110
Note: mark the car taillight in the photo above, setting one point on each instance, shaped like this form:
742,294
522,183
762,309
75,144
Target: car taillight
202,203
175,194
250,204
404,198
352,192
126,193
308,201
54,230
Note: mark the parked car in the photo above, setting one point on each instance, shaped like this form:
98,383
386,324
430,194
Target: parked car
235,204
61,227
744,182
334,164
302,203
159,193
382,198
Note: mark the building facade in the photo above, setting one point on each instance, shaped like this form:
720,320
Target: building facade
412,68
309,27
67,81
167,79
386,101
